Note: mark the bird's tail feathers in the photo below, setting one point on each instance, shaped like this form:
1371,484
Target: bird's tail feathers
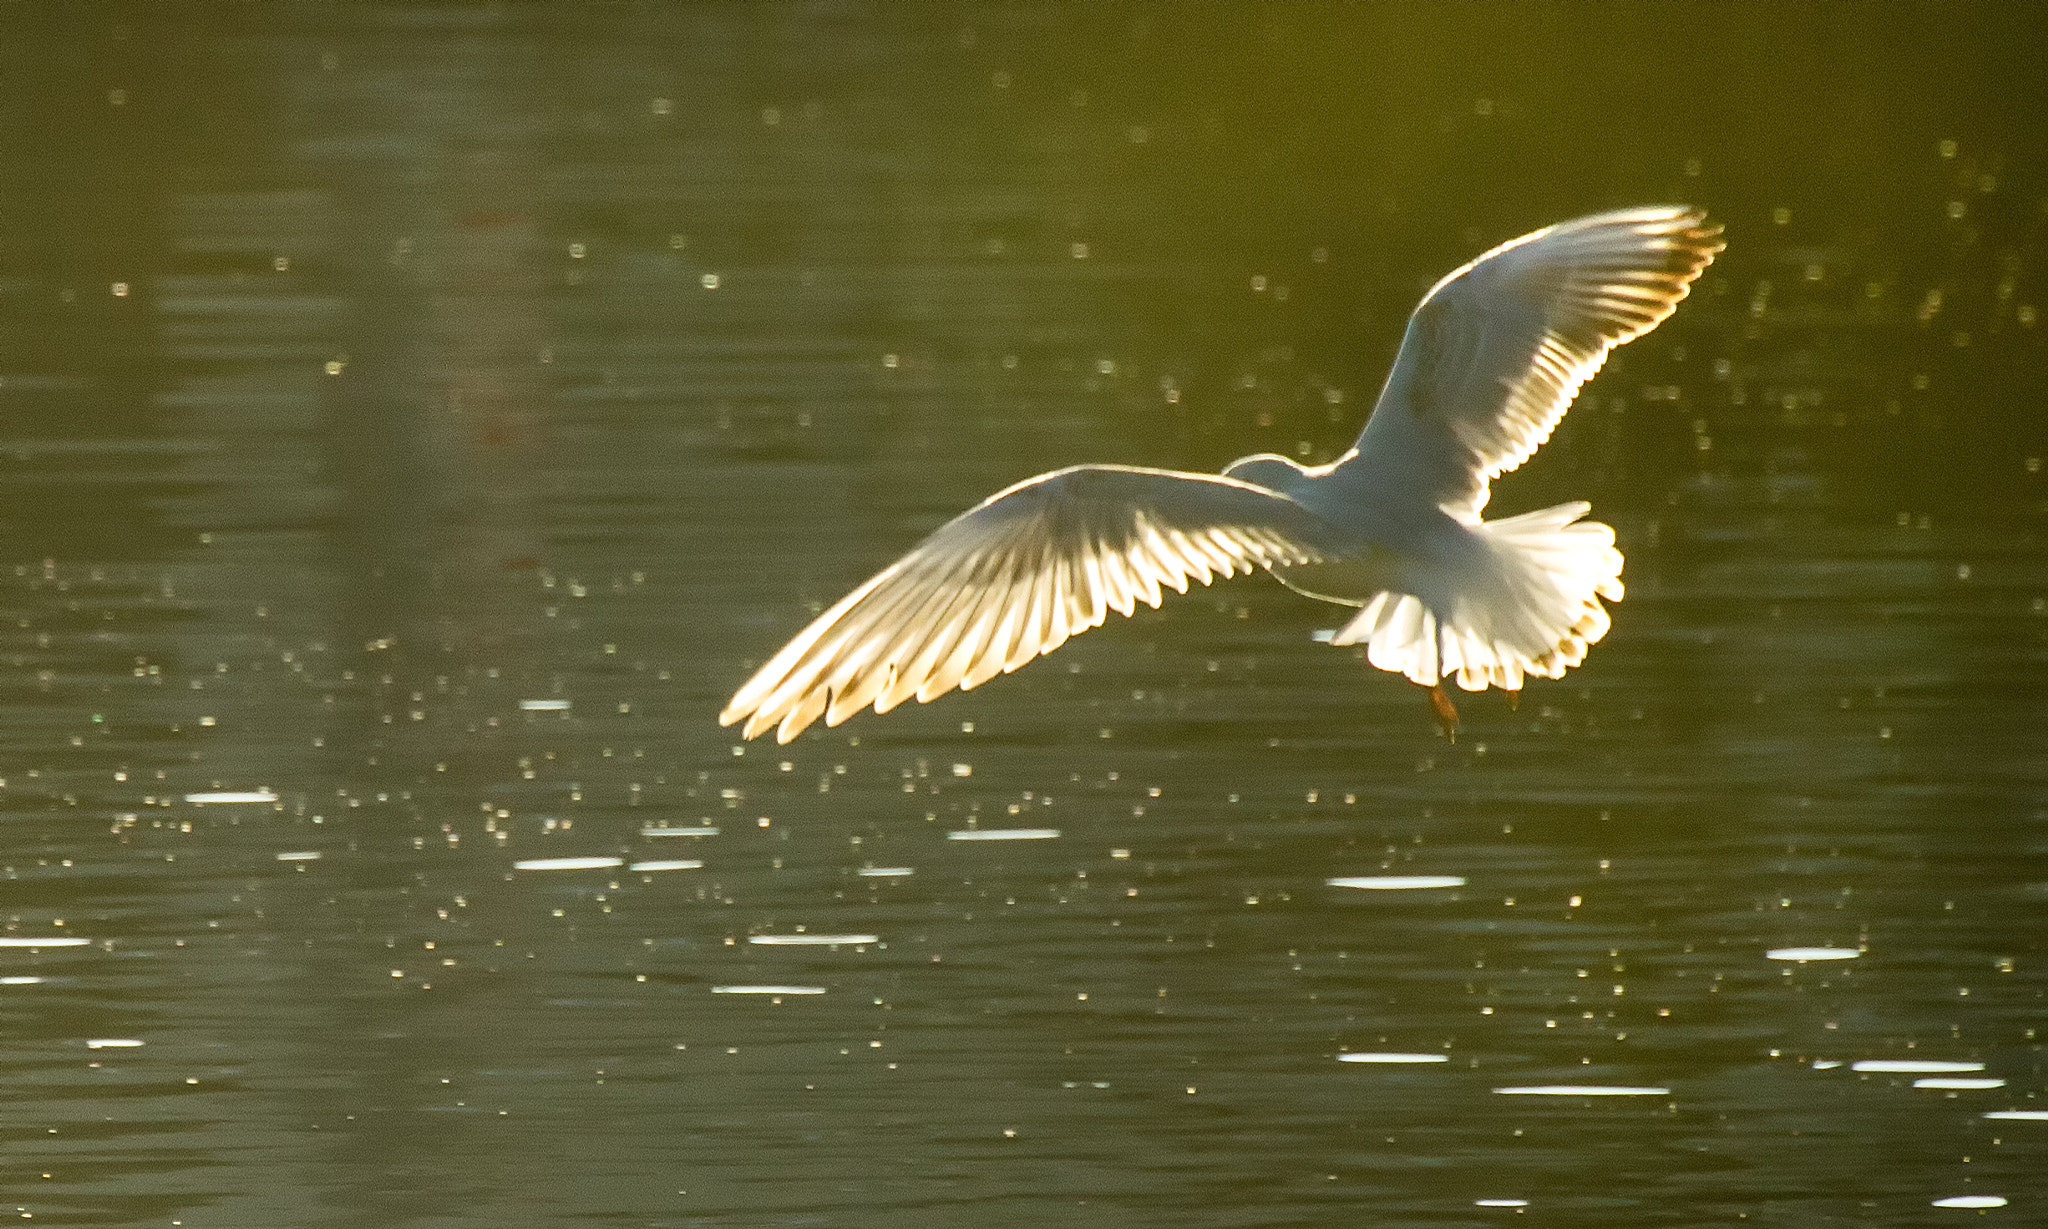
1525,600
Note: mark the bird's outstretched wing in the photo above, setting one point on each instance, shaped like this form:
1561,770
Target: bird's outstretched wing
1497,350
1014,578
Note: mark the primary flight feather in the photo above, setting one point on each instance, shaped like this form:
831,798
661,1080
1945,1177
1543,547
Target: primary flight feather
1491,360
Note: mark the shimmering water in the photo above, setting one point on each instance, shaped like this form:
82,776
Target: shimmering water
416,420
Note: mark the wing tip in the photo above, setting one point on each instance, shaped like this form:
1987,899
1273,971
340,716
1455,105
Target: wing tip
1691,225
1687,224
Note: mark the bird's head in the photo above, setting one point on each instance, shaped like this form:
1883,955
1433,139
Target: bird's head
1266,469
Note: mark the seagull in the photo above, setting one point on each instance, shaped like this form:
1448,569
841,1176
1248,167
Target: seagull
1492,358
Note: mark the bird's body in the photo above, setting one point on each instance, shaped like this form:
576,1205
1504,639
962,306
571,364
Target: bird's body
1492,358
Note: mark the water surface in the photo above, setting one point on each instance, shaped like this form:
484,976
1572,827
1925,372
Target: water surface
416,420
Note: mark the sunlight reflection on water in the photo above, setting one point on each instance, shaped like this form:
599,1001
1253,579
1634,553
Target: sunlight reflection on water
1397,883
467,359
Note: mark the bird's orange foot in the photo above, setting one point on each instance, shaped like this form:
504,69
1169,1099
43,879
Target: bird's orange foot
1446,712
1515,701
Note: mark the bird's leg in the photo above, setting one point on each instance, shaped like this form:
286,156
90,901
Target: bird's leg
1515,700
1446,712
1439,699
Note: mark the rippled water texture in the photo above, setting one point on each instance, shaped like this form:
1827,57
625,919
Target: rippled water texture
416,420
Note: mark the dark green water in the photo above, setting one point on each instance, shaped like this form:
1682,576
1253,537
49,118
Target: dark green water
369,371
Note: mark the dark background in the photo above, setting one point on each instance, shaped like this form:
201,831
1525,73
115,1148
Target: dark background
368,369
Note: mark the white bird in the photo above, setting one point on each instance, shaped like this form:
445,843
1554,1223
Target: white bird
1491,360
